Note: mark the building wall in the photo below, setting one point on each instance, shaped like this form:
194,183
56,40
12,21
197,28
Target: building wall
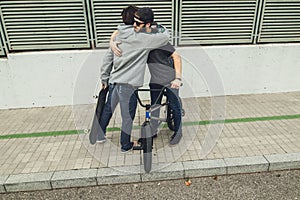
51,78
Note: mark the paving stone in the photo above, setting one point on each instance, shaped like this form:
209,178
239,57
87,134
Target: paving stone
284,161
167,171
74,178
238,140
28,182
246,164
2,183
117,175
204,168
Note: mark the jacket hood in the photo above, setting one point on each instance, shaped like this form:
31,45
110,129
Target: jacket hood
125,31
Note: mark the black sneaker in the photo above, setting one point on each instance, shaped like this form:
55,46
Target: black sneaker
175,138
127,149
154,132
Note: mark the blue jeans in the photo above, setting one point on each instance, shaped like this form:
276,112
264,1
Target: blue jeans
174,103
124,94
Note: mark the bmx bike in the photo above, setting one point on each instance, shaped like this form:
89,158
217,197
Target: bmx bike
145,142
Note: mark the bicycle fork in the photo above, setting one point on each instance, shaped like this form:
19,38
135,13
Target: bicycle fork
145,141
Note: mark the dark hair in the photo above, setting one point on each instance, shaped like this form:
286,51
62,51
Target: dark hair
145,14
128,14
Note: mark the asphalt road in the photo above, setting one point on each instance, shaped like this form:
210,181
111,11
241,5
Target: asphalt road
271,185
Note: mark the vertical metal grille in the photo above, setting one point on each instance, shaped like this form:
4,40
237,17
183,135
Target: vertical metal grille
217,22
107,16
281,21
2,51
68,24
47,24
2,39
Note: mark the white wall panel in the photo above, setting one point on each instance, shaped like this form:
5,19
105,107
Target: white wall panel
67,77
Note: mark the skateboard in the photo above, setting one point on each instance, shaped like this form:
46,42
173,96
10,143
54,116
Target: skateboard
95,129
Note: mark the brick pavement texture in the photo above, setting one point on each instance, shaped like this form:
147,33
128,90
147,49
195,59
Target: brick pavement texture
200,142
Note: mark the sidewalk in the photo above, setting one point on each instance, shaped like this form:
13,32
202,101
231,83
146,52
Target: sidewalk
46,148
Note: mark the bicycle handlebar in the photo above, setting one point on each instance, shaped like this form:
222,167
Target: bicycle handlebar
148,90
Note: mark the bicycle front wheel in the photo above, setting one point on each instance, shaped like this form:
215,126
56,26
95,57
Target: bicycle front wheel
147,147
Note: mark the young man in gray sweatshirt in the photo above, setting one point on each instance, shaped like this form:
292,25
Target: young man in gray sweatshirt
165,67
127,73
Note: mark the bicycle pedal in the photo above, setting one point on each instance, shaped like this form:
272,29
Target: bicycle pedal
137,148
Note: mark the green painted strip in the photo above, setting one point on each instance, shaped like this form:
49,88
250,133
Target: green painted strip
241,120
41,134
110,129
204,122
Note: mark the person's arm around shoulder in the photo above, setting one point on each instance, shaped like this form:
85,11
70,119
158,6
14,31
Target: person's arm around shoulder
114,44
177,82
156,40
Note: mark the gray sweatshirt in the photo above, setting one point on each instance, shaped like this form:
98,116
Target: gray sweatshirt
130,67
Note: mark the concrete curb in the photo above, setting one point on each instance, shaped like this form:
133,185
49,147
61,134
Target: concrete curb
164,172
201,168
178,170
117,175
246,164
74,178
2,183
283,161
28,182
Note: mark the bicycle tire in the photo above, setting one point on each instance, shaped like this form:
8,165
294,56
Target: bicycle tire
170,119
147,147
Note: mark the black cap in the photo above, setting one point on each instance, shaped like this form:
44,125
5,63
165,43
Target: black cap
145,14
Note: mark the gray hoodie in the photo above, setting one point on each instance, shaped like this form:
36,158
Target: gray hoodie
130,67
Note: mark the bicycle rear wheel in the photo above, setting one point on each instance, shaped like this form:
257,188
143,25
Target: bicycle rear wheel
170,116
147,146
170,119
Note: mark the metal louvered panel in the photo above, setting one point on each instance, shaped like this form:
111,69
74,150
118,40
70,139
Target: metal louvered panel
280,22
217,22
2,39
48,24
107,16
2,51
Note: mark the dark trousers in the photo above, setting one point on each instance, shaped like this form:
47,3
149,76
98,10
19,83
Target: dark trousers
123,94
174,103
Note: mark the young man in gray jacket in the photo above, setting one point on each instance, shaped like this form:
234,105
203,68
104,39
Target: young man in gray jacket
127,73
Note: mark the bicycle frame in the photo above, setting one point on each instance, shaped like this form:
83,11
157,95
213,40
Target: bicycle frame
148,107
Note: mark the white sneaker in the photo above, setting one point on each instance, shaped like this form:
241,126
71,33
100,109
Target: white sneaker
101,141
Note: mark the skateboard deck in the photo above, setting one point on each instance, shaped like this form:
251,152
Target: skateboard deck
95,129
